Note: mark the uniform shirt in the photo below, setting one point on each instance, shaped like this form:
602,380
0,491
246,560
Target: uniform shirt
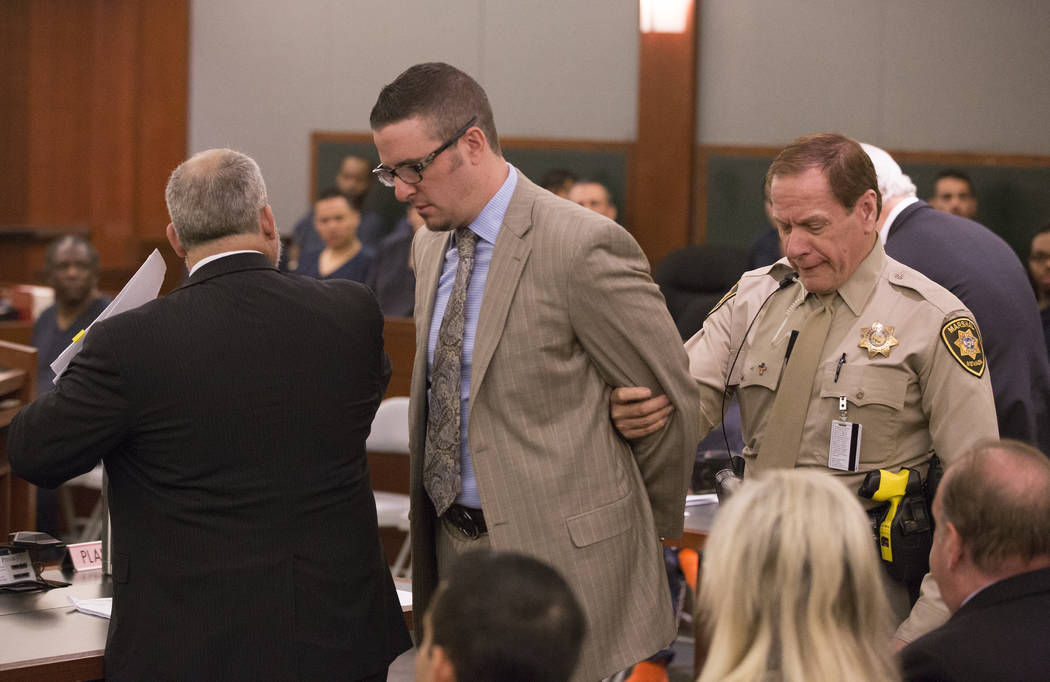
922,396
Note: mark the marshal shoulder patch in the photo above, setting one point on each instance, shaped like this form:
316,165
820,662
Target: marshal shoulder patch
963,340
728,295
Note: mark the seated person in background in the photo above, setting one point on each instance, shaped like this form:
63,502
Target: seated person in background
595,196
1039,272
71,269
991,559
558,181
344,256
791,586
500,617
765,250
355,181
391,276
953,192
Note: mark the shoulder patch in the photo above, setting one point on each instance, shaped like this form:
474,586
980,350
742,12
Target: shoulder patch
963,340
728,295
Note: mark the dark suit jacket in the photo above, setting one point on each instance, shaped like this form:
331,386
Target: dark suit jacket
390,277
1000,634
231,416
980,268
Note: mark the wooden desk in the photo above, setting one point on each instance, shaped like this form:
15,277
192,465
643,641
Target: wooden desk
399,341
698,520
17,388
42,637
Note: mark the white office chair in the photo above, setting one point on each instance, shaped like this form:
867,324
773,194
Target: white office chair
389,440
83,528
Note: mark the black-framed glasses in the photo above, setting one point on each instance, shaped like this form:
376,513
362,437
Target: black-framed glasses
412,173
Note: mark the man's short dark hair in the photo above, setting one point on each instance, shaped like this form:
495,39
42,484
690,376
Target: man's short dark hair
52,251
956,174
1000,512
556,178
332,192
847,166
445,97
506,617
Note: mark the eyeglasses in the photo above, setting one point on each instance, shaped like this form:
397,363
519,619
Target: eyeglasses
412,173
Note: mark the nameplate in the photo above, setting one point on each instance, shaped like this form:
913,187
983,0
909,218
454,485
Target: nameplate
86,556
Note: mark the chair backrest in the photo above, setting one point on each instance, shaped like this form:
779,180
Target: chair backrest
390,427
694,278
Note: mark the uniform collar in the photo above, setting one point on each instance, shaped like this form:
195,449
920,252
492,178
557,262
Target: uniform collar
859,288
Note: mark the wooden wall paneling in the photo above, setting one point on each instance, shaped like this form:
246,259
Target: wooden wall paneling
662,183
162,84
14,110
105,112
59,126
115,47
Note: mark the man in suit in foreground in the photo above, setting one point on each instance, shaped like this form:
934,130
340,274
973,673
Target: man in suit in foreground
991,559
528,310
231,416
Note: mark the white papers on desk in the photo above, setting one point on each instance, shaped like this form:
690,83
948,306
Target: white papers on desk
405,597
95,607
143,287
694,500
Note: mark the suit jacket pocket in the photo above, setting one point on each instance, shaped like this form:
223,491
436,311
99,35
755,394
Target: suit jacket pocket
602,522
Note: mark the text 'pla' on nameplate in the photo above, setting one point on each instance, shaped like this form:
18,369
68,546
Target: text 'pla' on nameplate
86,556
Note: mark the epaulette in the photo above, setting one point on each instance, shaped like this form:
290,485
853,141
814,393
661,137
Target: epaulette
901,275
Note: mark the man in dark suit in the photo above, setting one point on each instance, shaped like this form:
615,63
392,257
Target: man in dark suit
991,559
980,268
391,276
231,416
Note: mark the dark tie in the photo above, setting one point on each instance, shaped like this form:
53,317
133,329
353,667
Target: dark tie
441,453
787,417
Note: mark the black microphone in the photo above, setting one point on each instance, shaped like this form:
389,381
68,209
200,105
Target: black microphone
788,280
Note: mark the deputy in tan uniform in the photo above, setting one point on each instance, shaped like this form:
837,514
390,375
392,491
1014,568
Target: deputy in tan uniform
841,358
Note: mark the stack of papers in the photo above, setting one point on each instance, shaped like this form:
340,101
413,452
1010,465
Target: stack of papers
94,607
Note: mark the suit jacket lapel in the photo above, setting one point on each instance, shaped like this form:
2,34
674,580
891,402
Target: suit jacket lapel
429,255
508,260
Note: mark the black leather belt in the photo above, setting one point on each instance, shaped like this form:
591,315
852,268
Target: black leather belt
469,521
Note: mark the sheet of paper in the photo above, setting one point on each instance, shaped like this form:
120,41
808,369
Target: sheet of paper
95,607
143,287
405,596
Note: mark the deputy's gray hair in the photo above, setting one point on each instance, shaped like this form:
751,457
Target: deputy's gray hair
214,194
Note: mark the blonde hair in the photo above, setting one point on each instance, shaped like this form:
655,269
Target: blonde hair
792,586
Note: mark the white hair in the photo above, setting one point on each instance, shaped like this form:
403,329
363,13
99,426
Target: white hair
214,194
892,180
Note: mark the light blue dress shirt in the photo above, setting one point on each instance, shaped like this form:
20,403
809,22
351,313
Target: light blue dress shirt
486,226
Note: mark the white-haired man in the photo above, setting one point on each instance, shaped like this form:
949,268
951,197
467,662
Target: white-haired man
231,416
980,268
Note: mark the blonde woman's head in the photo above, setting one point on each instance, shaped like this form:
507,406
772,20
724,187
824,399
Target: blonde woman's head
792,586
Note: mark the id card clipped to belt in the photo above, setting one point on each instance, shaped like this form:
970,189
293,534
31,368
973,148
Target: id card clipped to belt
844,450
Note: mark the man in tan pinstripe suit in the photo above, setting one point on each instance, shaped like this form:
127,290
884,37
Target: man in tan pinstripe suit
559,308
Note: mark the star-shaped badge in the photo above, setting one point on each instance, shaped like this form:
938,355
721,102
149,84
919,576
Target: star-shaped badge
877,340
968,344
